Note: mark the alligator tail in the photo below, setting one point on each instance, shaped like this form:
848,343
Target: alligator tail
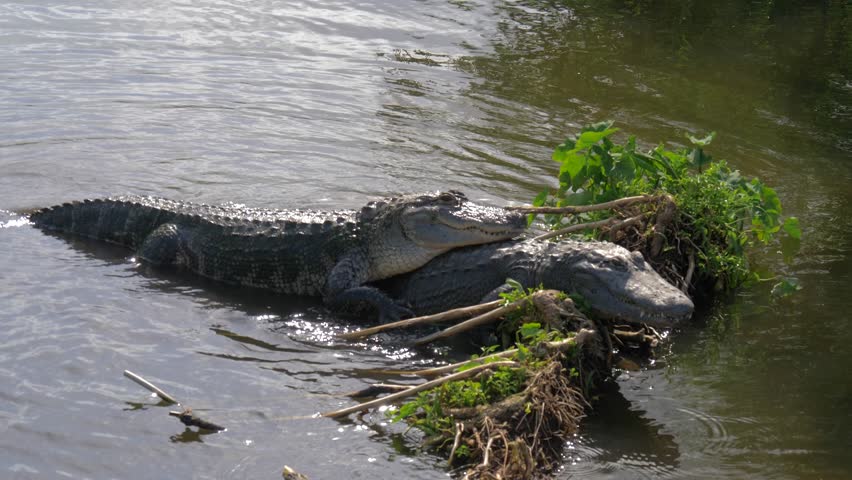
123,221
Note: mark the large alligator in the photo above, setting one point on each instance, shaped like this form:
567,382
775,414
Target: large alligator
616,283
306,252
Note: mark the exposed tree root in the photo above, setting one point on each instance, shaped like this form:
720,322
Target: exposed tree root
521,437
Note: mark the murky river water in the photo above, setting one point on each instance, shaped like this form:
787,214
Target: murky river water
323,103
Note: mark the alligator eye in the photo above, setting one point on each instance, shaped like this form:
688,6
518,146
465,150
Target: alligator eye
616,265
447,198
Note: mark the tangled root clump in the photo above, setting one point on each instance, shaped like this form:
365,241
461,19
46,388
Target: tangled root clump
522,436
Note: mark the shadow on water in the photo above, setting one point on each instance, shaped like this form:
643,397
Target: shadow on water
208,292
619,439
303,320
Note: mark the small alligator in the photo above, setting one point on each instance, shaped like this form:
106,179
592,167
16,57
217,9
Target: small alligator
616,283
305,252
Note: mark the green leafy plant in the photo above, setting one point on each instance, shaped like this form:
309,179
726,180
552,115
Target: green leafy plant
721,213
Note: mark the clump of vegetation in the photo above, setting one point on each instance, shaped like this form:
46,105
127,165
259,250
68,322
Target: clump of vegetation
697,217
511,421
507,412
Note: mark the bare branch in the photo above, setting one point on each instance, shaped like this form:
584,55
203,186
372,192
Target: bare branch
426,320
417,389
456,442
689,271
621,202
150,386
486,318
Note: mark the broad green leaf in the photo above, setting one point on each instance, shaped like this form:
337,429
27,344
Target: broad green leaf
515,285
529,330
606,162
572,166
538,201
405,411
791,226
587,139
771,202
645,163
698,159
701,142
579,198
624,169
786,287
579,179
564,150
598,127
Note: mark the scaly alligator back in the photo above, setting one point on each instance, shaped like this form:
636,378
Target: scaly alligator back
307,252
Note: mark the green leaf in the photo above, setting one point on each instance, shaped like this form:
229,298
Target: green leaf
564,150
538,201
645,163
587,139
405,411
701,142
624,169
786,287
572,165
529,330
579,198
698,159
597,127
515,285
771,202
791,226
579,179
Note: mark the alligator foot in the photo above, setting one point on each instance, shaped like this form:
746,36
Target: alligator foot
355,300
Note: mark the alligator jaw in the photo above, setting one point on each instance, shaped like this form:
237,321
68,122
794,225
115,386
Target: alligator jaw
447,224
623,287
653,311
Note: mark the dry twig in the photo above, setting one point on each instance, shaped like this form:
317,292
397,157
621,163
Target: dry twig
483,319
150,386
417,389
619,203
453,314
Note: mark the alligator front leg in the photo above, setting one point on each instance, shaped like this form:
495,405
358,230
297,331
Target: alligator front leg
162,246
345,290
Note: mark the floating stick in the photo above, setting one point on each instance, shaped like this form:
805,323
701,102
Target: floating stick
150,386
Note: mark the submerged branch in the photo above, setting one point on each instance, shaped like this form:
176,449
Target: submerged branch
189,419
377,389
